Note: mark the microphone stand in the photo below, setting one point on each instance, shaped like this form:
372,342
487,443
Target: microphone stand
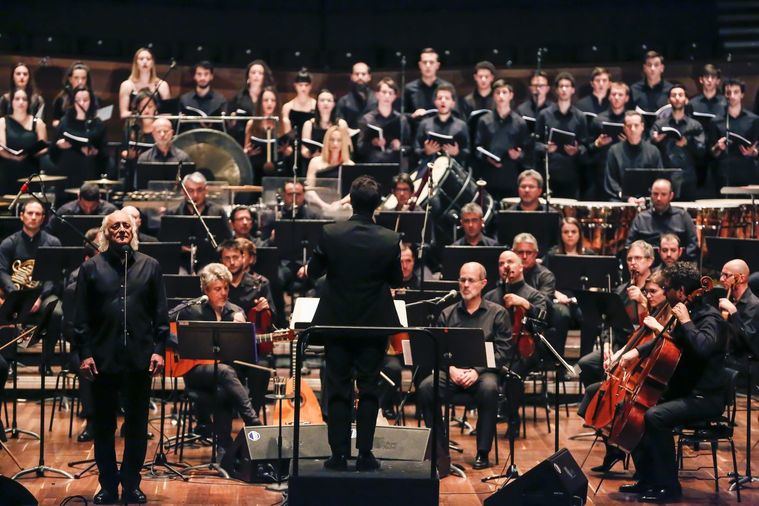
423,244
548,174
402,117
209,235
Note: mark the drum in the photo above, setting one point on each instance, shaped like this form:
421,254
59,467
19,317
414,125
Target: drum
724,217
604,224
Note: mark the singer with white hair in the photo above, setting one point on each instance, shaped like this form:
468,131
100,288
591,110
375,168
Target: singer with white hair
121,326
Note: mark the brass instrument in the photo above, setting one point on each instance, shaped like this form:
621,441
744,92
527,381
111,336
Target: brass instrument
21,274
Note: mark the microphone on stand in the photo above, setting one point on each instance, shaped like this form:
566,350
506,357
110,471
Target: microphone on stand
24,189
452,295
192,302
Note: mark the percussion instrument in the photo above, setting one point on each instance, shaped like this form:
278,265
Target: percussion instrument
604,224
43,178
104,181
216,153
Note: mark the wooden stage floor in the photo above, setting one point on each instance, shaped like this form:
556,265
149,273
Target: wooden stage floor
698,485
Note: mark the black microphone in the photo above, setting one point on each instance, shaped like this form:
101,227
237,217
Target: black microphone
447,297
24,188
126,249
192,302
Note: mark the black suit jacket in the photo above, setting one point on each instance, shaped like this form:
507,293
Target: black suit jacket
362,261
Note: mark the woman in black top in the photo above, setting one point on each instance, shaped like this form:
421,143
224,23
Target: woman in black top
301,108
264,160
258,76
21,77
315,128
19,130
571,240
80,149
77,76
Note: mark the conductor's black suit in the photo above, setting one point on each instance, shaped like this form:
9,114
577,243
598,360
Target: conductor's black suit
361,261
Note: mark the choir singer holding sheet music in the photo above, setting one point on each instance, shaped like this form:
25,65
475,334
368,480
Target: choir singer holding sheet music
380,134
443,133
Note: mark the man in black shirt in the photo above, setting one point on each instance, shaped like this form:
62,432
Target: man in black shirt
420,93
443,123
163,150
651,92
598,101
384,148
472,223
736,162
742,308
563,158
683,149
17,259
482,383
529,190
670,250
632,153
598,149
246,290
531,108
710,101
694,393
87,203
360,99
482,95
241,221
202,101
503,133
648,225
122,325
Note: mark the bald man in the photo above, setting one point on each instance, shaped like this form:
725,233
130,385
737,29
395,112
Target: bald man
137,217
481,383
742,308
164,150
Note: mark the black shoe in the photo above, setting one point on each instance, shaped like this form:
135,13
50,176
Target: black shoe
3,437
337,462
613,455
134,496
253,421
48,370
203,430
106,497
635,488
122,432
481,461
389,414
88,434
366,461
661,494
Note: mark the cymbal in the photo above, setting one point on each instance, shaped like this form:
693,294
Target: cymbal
104,182
43,178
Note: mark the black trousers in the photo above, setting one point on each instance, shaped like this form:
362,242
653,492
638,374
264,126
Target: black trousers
485,393
229,396
655,457
392,367
53,327
85,387
4,370
133,388
343,356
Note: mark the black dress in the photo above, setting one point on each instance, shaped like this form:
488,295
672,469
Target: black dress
74,164
17,137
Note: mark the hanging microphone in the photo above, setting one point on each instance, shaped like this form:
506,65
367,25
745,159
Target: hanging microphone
452,295
173,63
24,189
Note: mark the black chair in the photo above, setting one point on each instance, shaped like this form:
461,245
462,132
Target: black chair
713,431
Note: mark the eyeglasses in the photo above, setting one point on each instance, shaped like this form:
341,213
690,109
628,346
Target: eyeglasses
523,252
470,281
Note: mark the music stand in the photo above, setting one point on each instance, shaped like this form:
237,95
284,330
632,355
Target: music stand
81,222
605,309
53,261
168,254
296,239
217,341
544,226
455,256
188,229
182,286
637,182
267,263
570,271
383,173
407,223
721,250
145,172
441,284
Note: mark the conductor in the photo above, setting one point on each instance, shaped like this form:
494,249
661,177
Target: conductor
362,261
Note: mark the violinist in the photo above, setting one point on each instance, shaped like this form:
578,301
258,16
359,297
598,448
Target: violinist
655,300
695,391
741,310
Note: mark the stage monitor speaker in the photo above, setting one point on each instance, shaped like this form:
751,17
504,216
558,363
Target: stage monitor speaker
253,455
12,492
557,481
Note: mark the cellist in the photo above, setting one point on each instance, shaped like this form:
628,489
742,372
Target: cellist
695,391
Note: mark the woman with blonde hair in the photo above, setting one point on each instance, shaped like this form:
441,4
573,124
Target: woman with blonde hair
336,151
143,76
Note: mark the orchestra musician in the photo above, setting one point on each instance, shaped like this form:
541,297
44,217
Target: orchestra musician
670,250
360,99
21,78
695,391
316,128
570,241
372,147
229,395
472,223
473,311
242,223
143,76
121,324
741,309
87,203
164,149
529,190
77,76
661,218
19,130
403,189
361,262
137,217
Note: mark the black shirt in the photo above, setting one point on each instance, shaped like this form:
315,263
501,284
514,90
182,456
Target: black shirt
393,128
538,301
205,313
596,156
251,287
452,126
563,167
492,318
156,155
99,318
623,156
473,102
591,104
484,241
212,103
649,225
687,157
19,247
743,326
541,279
421,96
715,105
529,109
353,105
734,169
648,98
498,135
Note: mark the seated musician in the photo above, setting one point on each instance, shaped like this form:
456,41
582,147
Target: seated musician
570,241
695,392
633,153
164,149
250,291
529,189
88,203
403,190
197,187
742,309
662,218
443,123
202,100
670,250
384,149
360,99
241,221
594,366
472,223
503,133
230,395
137,217
17,259
472,312
143,76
